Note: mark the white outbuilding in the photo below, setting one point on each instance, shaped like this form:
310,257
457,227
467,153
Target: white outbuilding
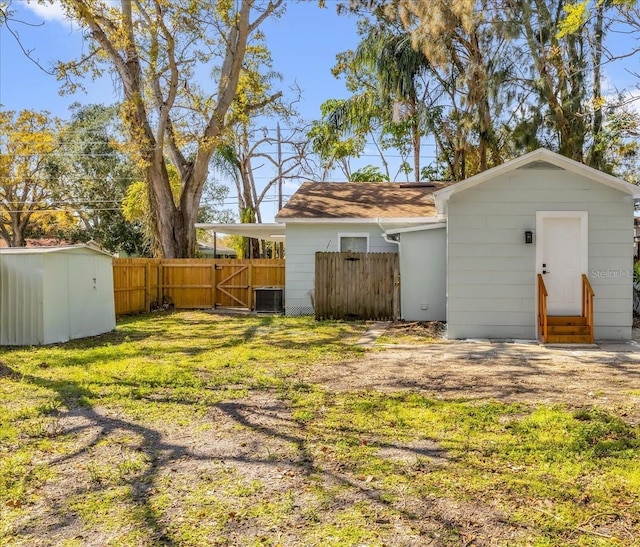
540,247
55,294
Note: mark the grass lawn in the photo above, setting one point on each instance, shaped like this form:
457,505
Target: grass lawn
196,429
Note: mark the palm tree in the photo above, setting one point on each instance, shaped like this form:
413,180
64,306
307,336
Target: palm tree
391,98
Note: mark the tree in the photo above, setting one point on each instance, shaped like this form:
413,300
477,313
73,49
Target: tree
369,173
158,50
516,75
398,69
97,172
608,120
458,53
286,152
248,141
389,106
562,47
466,51
27,187
136,206
559,65
329,142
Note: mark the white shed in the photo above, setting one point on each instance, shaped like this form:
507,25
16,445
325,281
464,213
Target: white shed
55,294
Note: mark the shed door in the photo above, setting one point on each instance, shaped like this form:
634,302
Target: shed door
83,307
562,261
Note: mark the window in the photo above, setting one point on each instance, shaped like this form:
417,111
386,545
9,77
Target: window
354,243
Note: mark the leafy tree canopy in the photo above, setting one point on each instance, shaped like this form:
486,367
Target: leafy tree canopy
181,66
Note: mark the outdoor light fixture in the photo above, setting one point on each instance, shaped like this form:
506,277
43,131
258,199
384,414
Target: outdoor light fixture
528,236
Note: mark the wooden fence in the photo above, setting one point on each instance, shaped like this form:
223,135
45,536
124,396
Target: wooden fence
357,286
141,283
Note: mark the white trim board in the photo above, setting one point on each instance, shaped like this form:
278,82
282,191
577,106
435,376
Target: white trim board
420,228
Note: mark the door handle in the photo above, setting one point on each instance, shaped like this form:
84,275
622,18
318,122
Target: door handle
545,271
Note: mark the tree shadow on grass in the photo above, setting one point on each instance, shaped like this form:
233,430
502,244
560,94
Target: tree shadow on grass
91,427
313,459
262,420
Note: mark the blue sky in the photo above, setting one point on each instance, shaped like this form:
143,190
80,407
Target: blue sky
304,43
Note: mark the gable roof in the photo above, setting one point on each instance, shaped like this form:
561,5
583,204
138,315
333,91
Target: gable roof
358,200
537,159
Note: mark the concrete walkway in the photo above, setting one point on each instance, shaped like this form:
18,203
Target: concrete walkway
375,331
603,352
530,350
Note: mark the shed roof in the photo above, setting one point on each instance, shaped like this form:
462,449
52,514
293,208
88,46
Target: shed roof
58,249
331,200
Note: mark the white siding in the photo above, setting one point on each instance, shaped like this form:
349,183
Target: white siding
21,298
57,289
492,272
303,241
423,275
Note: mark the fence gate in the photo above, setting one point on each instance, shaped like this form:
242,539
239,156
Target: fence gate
357,286
233,286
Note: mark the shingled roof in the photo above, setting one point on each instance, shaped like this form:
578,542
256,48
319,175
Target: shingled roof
321,200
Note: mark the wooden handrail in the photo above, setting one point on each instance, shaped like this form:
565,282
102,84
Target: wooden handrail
587,305
542,310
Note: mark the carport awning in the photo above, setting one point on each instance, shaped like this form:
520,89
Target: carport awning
274,231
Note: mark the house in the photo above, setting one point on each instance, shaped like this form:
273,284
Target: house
55,294
481,253
356,216
215,250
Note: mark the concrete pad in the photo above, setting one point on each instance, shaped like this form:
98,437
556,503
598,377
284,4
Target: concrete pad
374,332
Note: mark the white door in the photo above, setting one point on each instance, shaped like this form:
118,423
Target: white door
562,261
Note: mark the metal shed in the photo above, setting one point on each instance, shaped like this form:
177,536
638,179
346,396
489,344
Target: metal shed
55,294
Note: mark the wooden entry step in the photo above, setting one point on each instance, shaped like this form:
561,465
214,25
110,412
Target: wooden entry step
568,329
563,320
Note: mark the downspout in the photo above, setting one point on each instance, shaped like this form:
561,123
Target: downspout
388,239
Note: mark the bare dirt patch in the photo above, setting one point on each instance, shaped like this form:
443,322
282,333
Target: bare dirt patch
418,332
504,371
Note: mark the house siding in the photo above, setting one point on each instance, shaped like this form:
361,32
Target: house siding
491,279
303,241
423,275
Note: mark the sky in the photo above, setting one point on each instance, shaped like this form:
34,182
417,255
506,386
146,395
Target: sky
303,42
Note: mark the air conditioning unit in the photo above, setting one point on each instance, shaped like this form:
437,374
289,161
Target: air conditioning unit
269,299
